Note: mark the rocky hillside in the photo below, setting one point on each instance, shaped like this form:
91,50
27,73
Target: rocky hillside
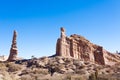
57,68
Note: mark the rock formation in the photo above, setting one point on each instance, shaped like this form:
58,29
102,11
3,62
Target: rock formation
13,50
78,47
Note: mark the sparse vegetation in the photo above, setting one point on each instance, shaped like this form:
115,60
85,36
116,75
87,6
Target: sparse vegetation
3,66
12,67
64,69
92,77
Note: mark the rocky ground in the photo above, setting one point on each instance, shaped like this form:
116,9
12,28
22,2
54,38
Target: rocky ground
57,68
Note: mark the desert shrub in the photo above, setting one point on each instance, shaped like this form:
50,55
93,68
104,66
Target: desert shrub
77,71
40,71
81,67
87,63
103,79
107,78
68,61
92,77
74,77
24,72
27,77
78,62
68,77
12,67
32,63
2,66
77,78
34,71
96,73
5,76
23,62
95,76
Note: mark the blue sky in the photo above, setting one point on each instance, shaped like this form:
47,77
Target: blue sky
38,21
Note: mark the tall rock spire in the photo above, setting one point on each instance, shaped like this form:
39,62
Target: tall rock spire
63,35
13,50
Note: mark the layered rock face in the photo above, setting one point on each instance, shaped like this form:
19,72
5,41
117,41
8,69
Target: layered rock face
13,50
78,47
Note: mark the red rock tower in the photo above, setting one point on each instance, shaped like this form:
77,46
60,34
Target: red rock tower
78,47
13,50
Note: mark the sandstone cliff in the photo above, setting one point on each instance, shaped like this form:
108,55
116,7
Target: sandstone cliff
78,47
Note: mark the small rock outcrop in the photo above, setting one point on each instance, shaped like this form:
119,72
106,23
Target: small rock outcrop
78,47
13,50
